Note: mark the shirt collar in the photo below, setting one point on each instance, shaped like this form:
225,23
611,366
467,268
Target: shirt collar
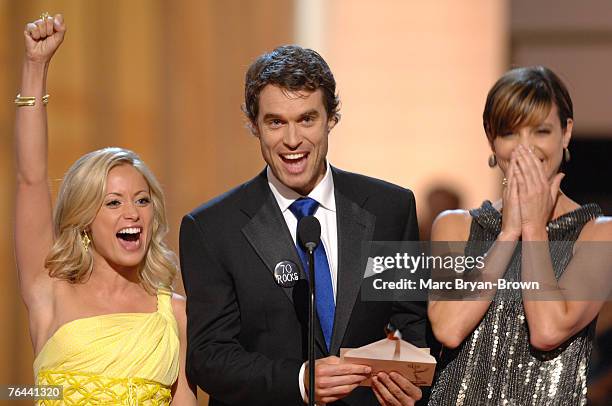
322,193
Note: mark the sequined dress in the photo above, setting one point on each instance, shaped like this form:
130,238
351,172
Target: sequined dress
495,364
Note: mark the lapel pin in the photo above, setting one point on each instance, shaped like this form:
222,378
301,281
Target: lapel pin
286,274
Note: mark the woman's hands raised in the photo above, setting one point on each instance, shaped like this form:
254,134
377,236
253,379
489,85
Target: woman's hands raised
43,37
537,195
528,196
511,216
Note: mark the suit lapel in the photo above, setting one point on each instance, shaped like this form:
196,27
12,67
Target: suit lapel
355,225
269,236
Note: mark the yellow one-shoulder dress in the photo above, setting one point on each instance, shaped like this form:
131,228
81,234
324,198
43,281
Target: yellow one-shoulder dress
113,359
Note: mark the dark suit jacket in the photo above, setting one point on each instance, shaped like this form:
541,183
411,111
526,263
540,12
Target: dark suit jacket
247,336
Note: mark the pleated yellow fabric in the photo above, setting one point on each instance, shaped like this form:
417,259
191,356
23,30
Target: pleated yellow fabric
113,359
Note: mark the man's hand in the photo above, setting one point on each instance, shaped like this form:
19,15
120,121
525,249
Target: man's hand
394,390
335,380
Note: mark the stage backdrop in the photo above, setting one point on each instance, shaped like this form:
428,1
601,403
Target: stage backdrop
165,78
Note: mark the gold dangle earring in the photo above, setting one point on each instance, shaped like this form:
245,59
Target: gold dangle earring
85,241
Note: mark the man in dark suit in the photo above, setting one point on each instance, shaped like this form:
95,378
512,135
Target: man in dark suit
247,326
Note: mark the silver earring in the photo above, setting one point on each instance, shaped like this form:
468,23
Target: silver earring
566,155
492,161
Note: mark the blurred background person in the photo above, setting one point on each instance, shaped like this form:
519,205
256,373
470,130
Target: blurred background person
438,199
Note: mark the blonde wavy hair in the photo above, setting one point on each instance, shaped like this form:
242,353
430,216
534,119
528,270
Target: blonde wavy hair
80,197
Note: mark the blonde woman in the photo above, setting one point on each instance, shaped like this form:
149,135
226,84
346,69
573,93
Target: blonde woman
94,273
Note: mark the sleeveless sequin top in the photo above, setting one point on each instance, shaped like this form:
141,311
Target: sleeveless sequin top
113,359
495,364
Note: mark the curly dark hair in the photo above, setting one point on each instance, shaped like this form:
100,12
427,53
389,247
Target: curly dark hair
293,68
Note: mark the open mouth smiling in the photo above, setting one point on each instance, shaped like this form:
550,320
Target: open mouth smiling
293,157
295,162
129,237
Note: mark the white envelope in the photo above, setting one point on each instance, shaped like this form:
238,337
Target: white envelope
387,355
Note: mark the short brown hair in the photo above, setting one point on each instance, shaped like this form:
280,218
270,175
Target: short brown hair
524,96
293,68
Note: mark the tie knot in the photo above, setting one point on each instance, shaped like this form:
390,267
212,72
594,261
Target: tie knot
304,206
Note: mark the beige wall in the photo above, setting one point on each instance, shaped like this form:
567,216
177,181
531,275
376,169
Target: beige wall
575,40
413,78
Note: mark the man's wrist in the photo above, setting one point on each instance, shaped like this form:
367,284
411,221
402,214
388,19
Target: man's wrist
302,385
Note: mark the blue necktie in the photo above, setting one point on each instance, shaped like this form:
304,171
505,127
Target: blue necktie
324,299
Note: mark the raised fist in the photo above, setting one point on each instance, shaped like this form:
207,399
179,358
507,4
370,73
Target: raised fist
43,37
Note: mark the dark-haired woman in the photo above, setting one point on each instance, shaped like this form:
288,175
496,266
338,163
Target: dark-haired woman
512,348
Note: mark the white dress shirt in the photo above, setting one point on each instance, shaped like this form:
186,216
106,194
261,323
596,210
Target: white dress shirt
326,214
